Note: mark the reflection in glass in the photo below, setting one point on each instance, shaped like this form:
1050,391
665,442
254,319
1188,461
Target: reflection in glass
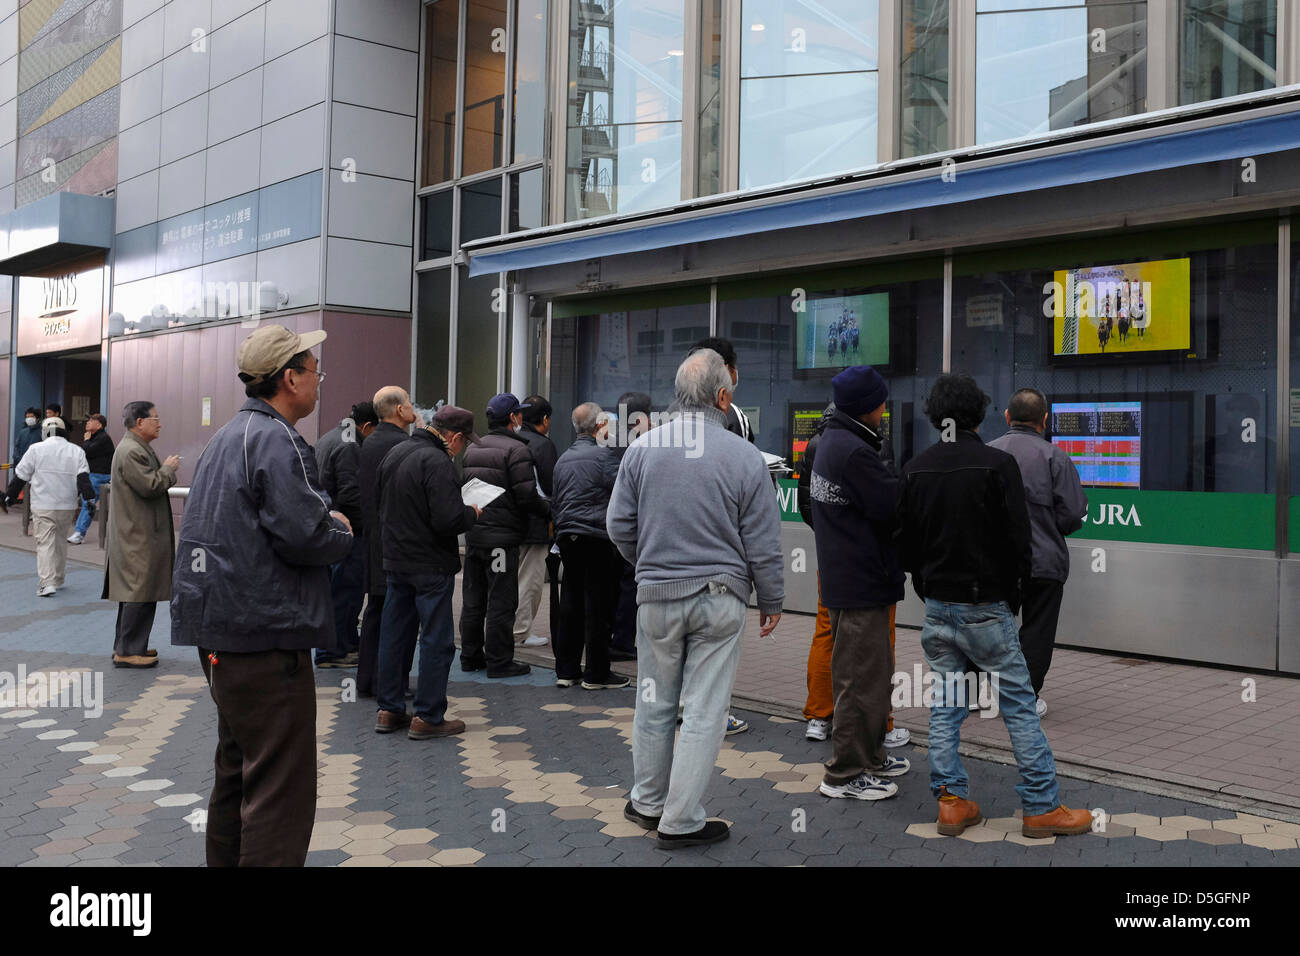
480,210
485,85
625,79
792,37
924,119
526,200
530,80
476,343
435,212
440,91
1229,47
804,126
708,178
1041,70
433,336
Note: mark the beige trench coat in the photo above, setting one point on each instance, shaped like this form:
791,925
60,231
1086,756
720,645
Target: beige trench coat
141,545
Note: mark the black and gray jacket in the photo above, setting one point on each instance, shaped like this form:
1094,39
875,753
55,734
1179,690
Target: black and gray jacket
544,457
584,478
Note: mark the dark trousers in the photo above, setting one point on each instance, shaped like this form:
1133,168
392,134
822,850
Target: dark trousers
368,652
134,622
263,802
624,638
592,567
490,587
417,602
862,666
348,590
553,583
1039,612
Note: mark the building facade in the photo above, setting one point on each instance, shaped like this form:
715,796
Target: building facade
1087,196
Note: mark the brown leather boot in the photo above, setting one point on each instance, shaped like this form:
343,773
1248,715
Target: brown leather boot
956,813
386,721
1060,822
421,729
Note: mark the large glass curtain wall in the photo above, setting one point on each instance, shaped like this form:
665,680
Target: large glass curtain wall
1228,47
483,131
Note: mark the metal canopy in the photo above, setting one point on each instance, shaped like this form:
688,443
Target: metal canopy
60,227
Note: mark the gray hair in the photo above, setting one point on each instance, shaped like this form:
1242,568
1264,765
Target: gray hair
586,418
698,379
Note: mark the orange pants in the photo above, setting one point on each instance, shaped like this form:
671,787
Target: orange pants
821,700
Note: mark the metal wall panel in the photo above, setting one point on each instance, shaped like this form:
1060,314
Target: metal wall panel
1288,644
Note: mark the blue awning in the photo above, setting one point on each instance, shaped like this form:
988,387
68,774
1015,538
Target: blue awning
54,229
1252,137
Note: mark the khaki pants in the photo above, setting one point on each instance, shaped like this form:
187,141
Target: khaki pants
532,575
51,529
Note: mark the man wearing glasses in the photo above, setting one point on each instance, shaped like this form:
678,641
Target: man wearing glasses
251,591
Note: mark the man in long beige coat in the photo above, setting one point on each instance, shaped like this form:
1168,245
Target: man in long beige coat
141,544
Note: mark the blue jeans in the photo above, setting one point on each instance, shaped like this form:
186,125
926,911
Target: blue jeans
955,637
83,519
417,600
348,590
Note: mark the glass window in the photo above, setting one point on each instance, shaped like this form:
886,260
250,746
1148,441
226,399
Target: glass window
1158,358
924,119
1229,47
530,80
443,18
708,179
526,200
1056,66
625,106
433,336
436,214
808,89
476,342
480,210
485,85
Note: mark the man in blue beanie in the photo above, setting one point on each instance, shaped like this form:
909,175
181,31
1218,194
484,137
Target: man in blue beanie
852,498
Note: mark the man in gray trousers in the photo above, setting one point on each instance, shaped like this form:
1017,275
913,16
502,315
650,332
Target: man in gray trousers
1056,508
697,554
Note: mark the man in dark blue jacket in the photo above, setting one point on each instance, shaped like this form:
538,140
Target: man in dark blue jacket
251,590
27,435
852,495
584,479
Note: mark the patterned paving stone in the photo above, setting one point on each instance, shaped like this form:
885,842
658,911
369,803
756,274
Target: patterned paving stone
1213,837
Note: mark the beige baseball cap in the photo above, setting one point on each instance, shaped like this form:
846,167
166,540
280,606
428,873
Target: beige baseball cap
269,349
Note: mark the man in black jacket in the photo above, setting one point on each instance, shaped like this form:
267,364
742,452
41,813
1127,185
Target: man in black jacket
99,450
396,414
421,514
491,581
584,479
964,536
535,552
634,410
338,456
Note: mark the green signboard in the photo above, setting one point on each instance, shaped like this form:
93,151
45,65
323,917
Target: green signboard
788,498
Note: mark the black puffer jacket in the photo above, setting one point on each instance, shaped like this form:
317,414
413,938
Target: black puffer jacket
382,440
420,507
584,478
544,457
502,458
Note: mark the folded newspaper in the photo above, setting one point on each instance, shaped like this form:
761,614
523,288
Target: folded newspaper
776,464
479,493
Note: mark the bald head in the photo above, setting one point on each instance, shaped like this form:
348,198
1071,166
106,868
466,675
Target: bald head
390,402
586,418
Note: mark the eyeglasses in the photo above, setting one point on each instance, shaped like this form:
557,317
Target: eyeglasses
317,372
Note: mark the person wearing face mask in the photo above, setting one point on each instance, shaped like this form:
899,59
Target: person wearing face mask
396,415
28,435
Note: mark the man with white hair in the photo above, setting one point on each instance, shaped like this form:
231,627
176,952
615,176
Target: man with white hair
698,555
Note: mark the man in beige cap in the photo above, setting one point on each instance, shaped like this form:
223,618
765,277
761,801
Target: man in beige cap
251,590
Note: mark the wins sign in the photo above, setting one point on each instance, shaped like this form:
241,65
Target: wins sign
60,312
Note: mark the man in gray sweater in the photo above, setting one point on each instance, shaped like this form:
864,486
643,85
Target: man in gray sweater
1056,508
693,509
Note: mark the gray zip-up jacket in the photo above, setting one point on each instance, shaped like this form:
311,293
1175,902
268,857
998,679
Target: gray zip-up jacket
1054,495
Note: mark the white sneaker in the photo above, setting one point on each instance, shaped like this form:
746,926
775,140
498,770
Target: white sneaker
817,729
47,590
1041,708
897,737
535,640
862,787
75,538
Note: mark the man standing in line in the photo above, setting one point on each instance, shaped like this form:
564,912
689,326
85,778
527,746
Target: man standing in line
534,553
396,415
694,509
584,479
338,458
635,408
964,537
140,551
490,585
28,435
99,458
421,514
58,472
853,496
250,591
1057,504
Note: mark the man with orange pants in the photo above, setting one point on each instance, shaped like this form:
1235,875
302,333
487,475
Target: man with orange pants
820,705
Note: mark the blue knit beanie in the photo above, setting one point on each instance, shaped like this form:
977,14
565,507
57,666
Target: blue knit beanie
858,390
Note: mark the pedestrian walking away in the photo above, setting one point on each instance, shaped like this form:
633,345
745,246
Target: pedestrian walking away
250,591
140,549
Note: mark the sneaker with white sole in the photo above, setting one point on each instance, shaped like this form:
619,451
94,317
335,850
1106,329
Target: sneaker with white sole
1041,708
898,737
535,640
735,725
893,767
612,682
817,729
862,787
47,591
76,538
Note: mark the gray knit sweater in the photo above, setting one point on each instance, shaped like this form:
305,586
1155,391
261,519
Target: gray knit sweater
694,504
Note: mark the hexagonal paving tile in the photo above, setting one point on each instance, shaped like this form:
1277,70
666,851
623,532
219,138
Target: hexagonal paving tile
1110,830
624,828
124,771
178,799
1134,819
363,848
574,813
1005,824
410,852
1161,833
1240,826
149,785
1269,841
56,735
370,831
1214,837
982,834
926,831
370,817
1023,840
1286,829
39,722
412,837
327,841
375,860
77,745
1185,823
458,857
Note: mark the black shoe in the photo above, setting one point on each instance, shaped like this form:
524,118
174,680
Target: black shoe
472,665
612,682
713,831
513,669
644,821
617,655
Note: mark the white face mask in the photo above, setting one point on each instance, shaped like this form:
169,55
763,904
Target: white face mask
30,421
